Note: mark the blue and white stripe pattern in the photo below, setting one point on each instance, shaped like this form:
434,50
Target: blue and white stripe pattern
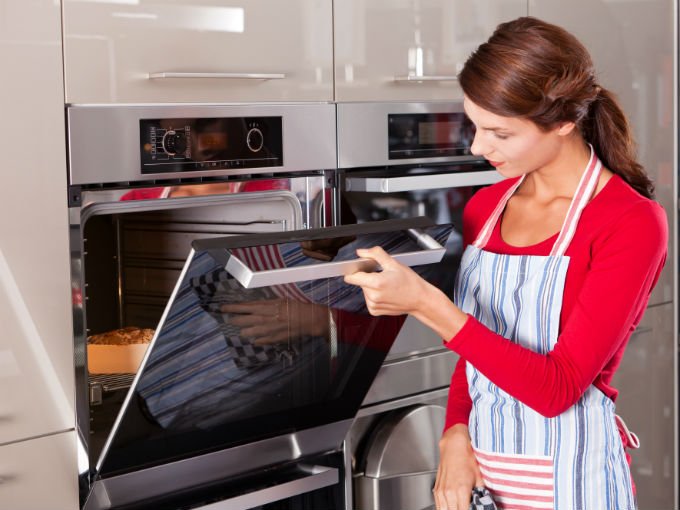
581,453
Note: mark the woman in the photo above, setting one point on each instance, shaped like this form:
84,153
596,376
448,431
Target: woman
531,406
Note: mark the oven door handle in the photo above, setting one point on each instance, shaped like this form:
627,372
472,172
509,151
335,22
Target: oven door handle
431,253
387,184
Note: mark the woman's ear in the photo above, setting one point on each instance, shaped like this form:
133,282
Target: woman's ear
566,128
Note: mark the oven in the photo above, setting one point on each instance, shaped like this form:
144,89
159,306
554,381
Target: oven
145,182
220,359
405,160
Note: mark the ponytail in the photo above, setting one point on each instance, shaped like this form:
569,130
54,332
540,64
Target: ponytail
607,129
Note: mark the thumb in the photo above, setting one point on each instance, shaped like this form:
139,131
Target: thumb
378,254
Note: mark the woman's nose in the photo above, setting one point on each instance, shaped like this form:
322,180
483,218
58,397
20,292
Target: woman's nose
478,147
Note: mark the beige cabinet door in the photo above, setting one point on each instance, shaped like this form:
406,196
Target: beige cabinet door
410,49
646,381
632,46
36,333
40,474
217,51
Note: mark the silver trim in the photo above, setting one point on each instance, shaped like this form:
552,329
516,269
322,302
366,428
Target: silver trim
103,142
385,184
416,79
421,398
432,253
184,474
318,478
228,76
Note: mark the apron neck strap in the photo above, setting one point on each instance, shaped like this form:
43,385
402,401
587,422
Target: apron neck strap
584,192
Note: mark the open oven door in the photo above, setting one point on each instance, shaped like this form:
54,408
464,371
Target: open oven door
259,364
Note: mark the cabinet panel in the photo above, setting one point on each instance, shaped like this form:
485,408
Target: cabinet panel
40,474
646,382
112,48
378,43
36,338
640,70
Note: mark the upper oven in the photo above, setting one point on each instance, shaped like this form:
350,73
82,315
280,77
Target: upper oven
400,160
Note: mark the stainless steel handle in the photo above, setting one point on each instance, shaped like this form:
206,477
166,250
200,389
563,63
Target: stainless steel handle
432,252
317,477
227,76
384,184
416,78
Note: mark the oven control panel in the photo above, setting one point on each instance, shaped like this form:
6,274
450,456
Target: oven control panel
197,144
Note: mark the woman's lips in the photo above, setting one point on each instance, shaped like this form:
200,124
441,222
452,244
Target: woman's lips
496,164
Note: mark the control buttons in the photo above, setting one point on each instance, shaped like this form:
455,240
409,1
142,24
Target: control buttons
254,139
174,142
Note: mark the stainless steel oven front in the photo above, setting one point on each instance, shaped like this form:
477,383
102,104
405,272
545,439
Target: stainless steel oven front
404,160
144,183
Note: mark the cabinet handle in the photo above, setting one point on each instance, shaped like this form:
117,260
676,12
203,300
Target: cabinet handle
227,76
432,252
414,78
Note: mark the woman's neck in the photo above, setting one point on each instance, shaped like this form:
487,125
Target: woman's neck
559,178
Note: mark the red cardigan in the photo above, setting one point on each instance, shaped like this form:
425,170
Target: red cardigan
616,256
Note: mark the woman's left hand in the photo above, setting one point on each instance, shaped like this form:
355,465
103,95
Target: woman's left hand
396,290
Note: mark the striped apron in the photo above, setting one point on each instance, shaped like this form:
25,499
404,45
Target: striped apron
574,461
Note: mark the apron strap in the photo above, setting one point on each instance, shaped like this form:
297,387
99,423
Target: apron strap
631,438
485,234
584,191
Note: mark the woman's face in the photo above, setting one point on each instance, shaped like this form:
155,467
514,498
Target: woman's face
513,145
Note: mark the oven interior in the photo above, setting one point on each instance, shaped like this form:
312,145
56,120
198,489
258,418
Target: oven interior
133,255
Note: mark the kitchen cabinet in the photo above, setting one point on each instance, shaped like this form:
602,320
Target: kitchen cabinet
645,380
36,335
39,474
410,49
218,51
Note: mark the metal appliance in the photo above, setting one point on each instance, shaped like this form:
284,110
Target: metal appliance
402,160
178,214
144,183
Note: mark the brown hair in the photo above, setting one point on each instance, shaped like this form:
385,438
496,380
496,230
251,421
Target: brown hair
538,71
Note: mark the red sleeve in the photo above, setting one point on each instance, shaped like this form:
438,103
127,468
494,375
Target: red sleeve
625,265
459,404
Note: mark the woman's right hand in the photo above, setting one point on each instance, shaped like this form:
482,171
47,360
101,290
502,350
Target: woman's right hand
458,471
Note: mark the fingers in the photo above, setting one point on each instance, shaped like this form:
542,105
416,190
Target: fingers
378,254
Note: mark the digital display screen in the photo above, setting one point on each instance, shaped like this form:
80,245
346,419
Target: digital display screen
214,141
438,133
428,135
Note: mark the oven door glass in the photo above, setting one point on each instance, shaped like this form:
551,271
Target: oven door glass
262,337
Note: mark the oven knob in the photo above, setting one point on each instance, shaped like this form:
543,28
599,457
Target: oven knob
174,142
255,140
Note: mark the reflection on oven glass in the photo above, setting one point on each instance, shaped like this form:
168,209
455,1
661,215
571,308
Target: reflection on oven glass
231,364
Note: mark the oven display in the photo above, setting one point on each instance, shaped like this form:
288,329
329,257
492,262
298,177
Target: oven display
198,144
425,135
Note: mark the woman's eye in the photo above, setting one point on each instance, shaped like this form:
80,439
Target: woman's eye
501,136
